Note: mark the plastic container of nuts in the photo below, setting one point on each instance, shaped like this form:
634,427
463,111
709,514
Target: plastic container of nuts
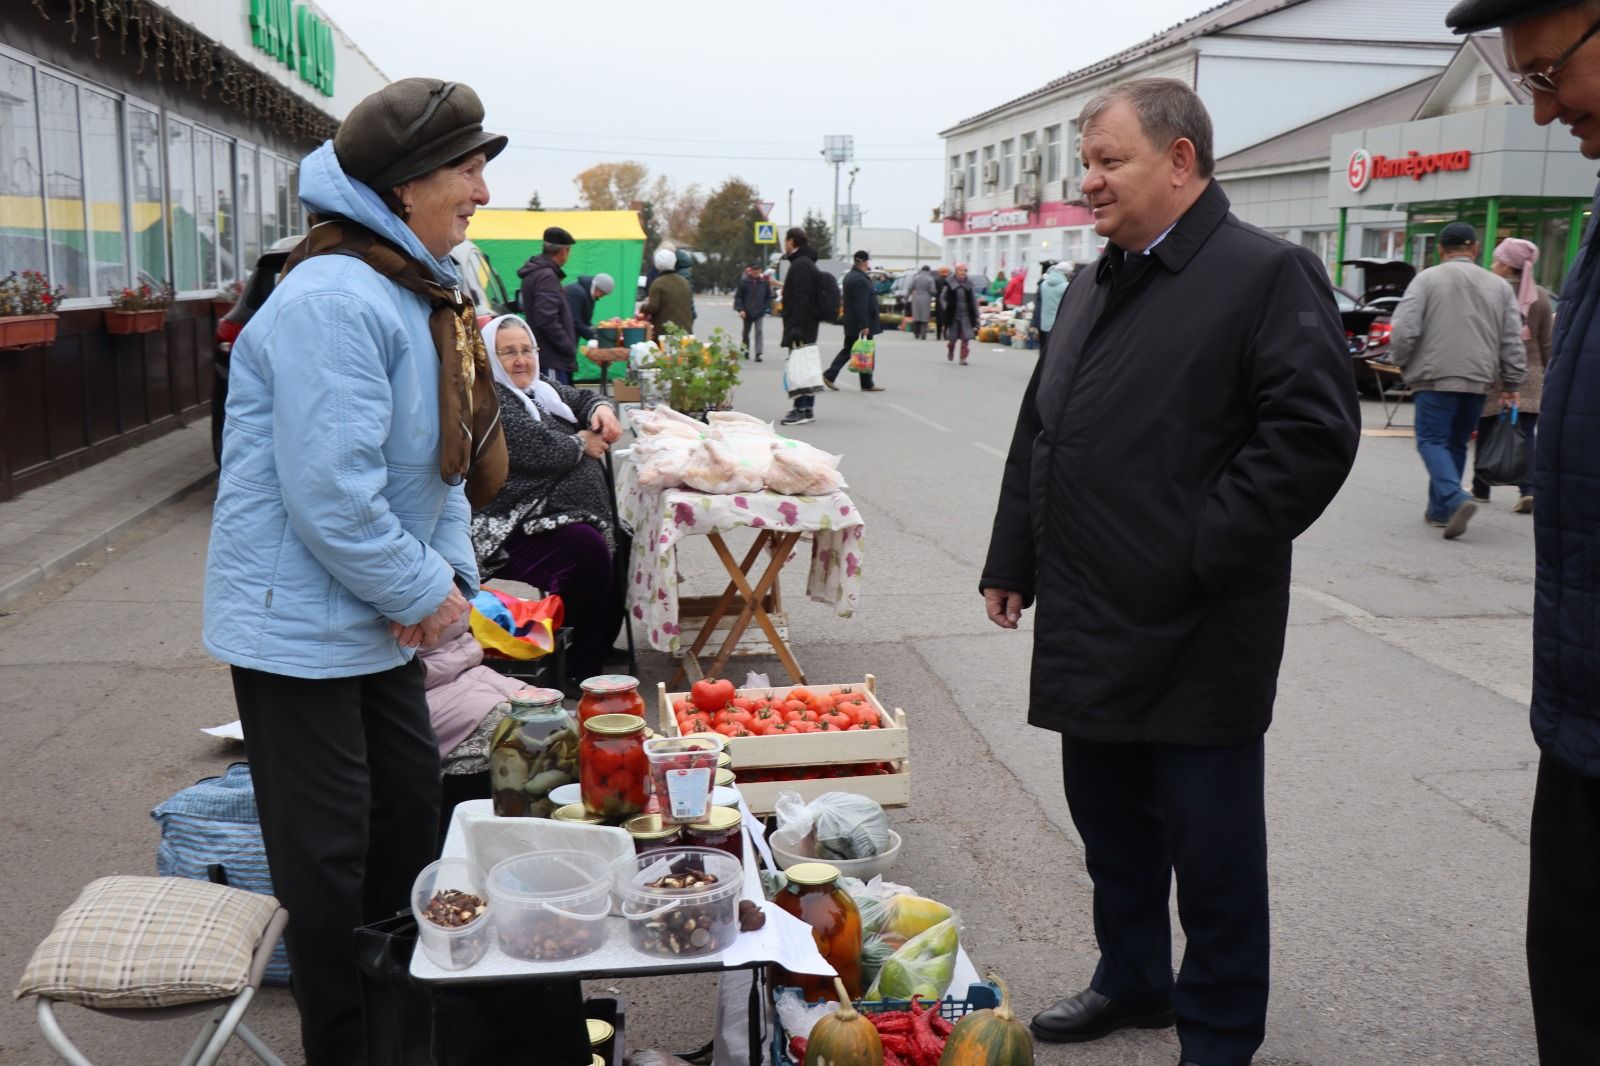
550,905
681,902
452,912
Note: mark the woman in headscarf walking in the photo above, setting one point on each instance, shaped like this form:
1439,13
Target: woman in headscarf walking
960,313
550,526
1514,259
362,424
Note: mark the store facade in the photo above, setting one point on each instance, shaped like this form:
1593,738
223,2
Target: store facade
147,144
1490,166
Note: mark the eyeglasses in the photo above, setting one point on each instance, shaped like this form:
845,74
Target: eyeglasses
1544,81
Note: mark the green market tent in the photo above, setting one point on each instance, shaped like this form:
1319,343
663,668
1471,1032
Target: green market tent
608,242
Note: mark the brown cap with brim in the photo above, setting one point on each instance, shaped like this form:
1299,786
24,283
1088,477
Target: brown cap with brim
409,128
1475,16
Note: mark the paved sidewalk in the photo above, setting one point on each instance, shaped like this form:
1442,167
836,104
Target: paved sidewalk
46,530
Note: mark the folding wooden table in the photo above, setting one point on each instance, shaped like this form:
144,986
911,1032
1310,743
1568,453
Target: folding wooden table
660,520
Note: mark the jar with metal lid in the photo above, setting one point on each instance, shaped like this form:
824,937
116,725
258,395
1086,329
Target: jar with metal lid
724,761
612,770
610,694
534,750
651,833
722,829
813,895
724,779
577,812
601,1033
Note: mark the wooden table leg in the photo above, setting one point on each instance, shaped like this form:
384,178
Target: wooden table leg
691,656
784,544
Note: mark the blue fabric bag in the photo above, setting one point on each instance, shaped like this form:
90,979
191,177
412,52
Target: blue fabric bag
210,831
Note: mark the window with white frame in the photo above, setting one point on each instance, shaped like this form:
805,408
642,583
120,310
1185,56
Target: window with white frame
1052,153
972,173
1008,163
101,191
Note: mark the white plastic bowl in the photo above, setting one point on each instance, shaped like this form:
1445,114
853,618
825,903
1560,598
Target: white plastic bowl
550,905
790,850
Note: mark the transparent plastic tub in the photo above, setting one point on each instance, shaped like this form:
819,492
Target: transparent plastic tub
682,774
672,922
451,947
550,905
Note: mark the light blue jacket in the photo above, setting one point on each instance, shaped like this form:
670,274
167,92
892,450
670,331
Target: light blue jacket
331,517
1051,288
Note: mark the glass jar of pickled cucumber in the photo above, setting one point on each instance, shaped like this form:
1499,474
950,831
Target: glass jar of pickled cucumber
534,751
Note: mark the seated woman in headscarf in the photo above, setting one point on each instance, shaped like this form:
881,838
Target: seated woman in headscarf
550,526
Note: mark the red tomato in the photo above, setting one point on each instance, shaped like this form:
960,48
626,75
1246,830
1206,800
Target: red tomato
800,725
779,726
604,762
807,715
697,723
680,706
836,718
710,695
801,694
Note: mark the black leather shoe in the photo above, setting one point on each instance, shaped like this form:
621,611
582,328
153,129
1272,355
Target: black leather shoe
1089,1016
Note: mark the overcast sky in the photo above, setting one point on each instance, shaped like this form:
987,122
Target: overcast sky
701,90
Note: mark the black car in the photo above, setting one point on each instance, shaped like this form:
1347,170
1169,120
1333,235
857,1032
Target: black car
1367,321
257,287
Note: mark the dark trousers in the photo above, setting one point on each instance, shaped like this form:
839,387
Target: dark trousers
1564,914
919,329
346,774
1145,811
838,364
572,562
1526,421
752,325
563,377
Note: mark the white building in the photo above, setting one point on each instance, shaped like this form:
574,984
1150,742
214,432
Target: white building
1263,68
891,249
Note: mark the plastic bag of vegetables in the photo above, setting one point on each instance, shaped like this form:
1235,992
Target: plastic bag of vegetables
922,966
890,916
847,826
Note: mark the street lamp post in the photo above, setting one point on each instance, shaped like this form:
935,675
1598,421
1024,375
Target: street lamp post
837,149
850,220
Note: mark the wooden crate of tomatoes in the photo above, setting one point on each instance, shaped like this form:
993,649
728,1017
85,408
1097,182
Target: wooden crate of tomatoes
808,739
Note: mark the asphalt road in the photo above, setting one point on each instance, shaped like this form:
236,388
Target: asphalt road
1400,768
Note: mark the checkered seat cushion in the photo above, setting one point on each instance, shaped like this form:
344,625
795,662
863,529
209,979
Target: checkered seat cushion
130,942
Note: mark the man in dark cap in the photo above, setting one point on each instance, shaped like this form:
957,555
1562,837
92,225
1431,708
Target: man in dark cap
1457,332
544,305
1554,49
860,319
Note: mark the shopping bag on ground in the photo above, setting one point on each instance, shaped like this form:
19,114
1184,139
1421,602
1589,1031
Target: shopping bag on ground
803,372
1502,453
514,627
862,355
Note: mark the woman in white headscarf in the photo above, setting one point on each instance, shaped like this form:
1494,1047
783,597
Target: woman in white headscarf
670,300
550,526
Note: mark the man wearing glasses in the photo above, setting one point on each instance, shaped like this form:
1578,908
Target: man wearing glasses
1552,46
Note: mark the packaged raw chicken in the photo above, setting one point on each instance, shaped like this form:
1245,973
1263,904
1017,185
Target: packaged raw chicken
713,468
661,460
738,421
797,469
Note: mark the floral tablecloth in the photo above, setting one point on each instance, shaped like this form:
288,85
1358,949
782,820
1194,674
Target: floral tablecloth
660,520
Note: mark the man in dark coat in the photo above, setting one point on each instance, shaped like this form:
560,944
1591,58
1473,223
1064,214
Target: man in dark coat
1564,843
860,320
1194,414
581,296
545,306
800,323
753,300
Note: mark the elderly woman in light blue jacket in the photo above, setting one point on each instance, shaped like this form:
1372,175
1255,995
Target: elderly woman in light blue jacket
340,538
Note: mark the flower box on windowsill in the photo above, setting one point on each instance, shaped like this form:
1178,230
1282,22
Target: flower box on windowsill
27,331
120,322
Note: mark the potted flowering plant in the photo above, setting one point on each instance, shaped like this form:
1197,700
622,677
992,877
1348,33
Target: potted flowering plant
700,374
226,297
28,305
140,310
